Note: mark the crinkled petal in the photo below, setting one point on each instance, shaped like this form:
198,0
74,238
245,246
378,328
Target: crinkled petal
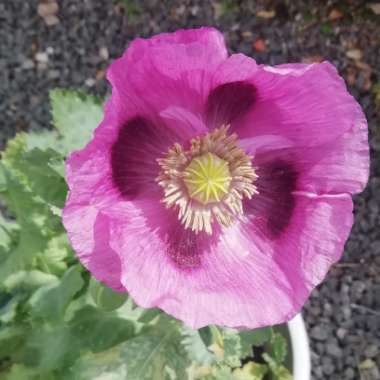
246,278
307,104
338,166
172,69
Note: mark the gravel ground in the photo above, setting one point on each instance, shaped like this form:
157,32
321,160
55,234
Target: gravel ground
71,45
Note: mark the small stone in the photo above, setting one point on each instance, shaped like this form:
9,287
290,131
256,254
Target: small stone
194,10
28,64
103,53
334,350
328,368
371,351
349,374
319,333
47,9
54,74
42,57
51,20
42,66
90,82
341,333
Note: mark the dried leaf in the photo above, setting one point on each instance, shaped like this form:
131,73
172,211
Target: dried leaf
259,45
355,54
266,14
375,8
313,59
335,14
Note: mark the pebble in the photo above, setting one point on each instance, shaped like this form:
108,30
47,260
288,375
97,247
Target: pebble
42,57
319,333
371,351
28,64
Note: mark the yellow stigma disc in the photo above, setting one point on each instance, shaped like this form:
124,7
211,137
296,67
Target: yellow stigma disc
207,178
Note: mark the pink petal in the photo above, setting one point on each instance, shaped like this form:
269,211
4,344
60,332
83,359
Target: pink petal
306,104
338,166
172,69
88,231
245,279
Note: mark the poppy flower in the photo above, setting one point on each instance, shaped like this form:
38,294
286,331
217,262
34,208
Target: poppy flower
215,188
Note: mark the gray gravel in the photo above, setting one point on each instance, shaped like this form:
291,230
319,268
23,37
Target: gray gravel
73,47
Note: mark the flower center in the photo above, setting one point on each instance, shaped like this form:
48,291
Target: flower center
208,182
207,178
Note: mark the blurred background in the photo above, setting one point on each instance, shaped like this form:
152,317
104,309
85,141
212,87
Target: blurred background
69,43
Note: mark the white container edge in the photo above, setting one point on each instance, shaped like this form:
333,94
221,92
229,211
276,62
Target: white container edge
300,348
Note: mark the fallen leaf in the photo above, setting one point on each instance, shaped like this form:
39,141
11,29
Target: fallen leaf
355,54
335,14
313,59
100,74
259,45
218,10
247,34
351,75
266,14
375,8
366,71
47,9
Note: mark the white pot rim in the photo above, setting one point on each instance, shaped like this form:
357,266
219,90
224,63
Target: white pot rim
300,348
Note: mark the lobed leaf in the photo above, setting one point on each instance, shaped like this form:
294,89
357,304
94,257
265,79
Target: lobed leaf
50,301
75,115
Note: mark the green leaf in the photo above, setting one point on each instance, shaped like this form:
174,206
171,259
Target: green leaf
21,372
196,347
28,280
50,301
75,115
3,178
43,140
31,240
41,173
257,337
232,348
9,305
100,330
278,347
220,373
278,371
155,354
51,348
106,298
251,371
12,339
53,258
33,216
8,236
148,315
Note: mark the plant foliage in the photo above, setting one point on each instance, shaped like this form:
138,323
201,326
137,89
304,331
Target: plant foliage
56,323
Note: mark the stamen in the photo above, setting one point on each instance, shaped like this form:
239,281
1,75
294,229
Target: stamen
208,182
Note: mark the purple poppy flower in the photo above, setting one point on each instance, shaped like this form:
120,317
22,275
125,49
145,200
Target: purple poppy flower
217,189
